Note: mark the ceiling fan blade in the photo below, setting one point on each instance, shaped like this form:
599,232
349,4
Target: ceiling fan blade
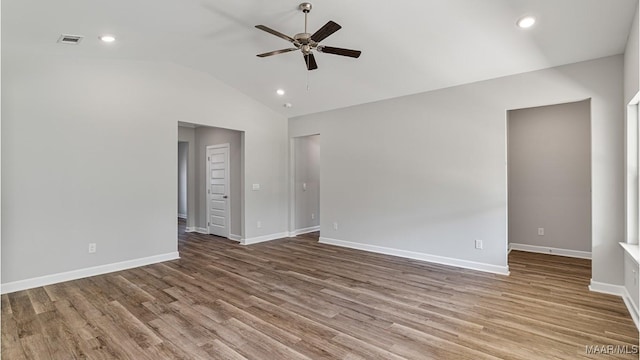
310,60
340,51
276,52
276,33
324,32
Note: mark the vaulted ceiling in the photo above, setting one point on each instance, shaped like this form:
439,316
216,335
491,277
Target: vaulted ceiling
408,46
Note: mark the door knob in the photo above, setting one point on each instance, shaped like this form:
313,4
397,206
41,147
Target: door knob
224,196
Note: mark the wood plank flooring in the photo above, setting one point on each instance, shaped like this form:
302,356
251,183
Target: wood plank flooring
297,299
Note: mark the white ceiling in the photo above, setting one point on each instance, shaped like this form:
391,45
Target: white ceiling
408,46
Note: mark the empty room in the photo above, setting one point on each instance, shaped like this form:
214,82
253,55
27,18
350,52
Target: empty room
436,179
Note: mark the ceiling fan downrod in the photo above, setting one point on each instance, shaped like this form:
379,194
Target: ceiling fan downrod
306,8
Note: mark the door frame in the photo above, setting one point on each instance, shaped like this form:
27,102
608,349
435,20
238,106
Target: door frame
227,186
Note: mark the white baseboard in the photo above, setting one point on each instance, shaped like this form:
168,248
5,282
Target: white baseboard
204,231
198,230
182,216
617,290
264,238
605,288
502,270
83,273
304,231
550,250
633,310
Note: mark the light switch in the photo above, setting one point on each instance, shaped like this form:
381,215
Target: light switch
256,187
304,186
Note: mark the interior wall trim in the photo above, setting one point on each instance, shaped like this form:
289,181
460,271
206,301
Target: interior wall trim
198,230
550,250
617,290
83,273
502,270
259,239
633,310
304,231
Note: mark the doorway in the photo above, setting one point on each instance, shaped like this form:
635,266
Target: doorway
305,163
199,179
549,179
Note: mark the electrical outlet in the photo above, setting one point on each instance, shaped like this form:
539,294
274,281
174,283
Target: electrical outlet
335,225
479,244
259,224
540,231
313,216
92,248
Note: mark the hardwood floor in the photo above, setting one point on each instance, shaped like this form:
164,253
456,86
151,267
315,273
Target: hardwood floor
297,299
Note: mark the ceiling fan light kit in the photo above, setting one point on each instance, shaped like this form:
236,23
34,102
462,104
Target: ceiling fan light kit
307,43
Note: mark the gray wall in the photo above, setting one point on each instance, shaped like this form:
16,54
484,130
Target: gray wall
427,173
122,119
206,136
183,160
549,176
307,171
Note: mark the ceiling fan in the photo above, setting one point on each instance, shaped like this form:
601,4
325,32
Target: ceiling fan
306,42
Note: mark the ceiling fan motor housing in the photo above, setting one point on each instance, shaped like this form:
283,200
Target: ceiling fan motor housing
303,38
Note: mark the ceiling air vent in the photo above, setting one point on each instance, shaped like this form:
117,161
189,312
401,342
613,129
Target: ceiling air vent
70,39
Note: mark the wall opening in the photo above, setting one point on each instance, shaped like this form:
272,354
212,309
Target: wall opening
305,164
199,137
549,179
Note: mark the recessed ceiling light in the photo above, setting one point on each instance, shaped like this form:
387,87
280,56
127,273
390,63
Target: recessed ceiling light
287,105
107,38
280,92
526,22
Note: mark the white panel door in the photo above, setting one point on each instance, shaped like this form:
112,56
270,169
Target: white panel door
218,190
